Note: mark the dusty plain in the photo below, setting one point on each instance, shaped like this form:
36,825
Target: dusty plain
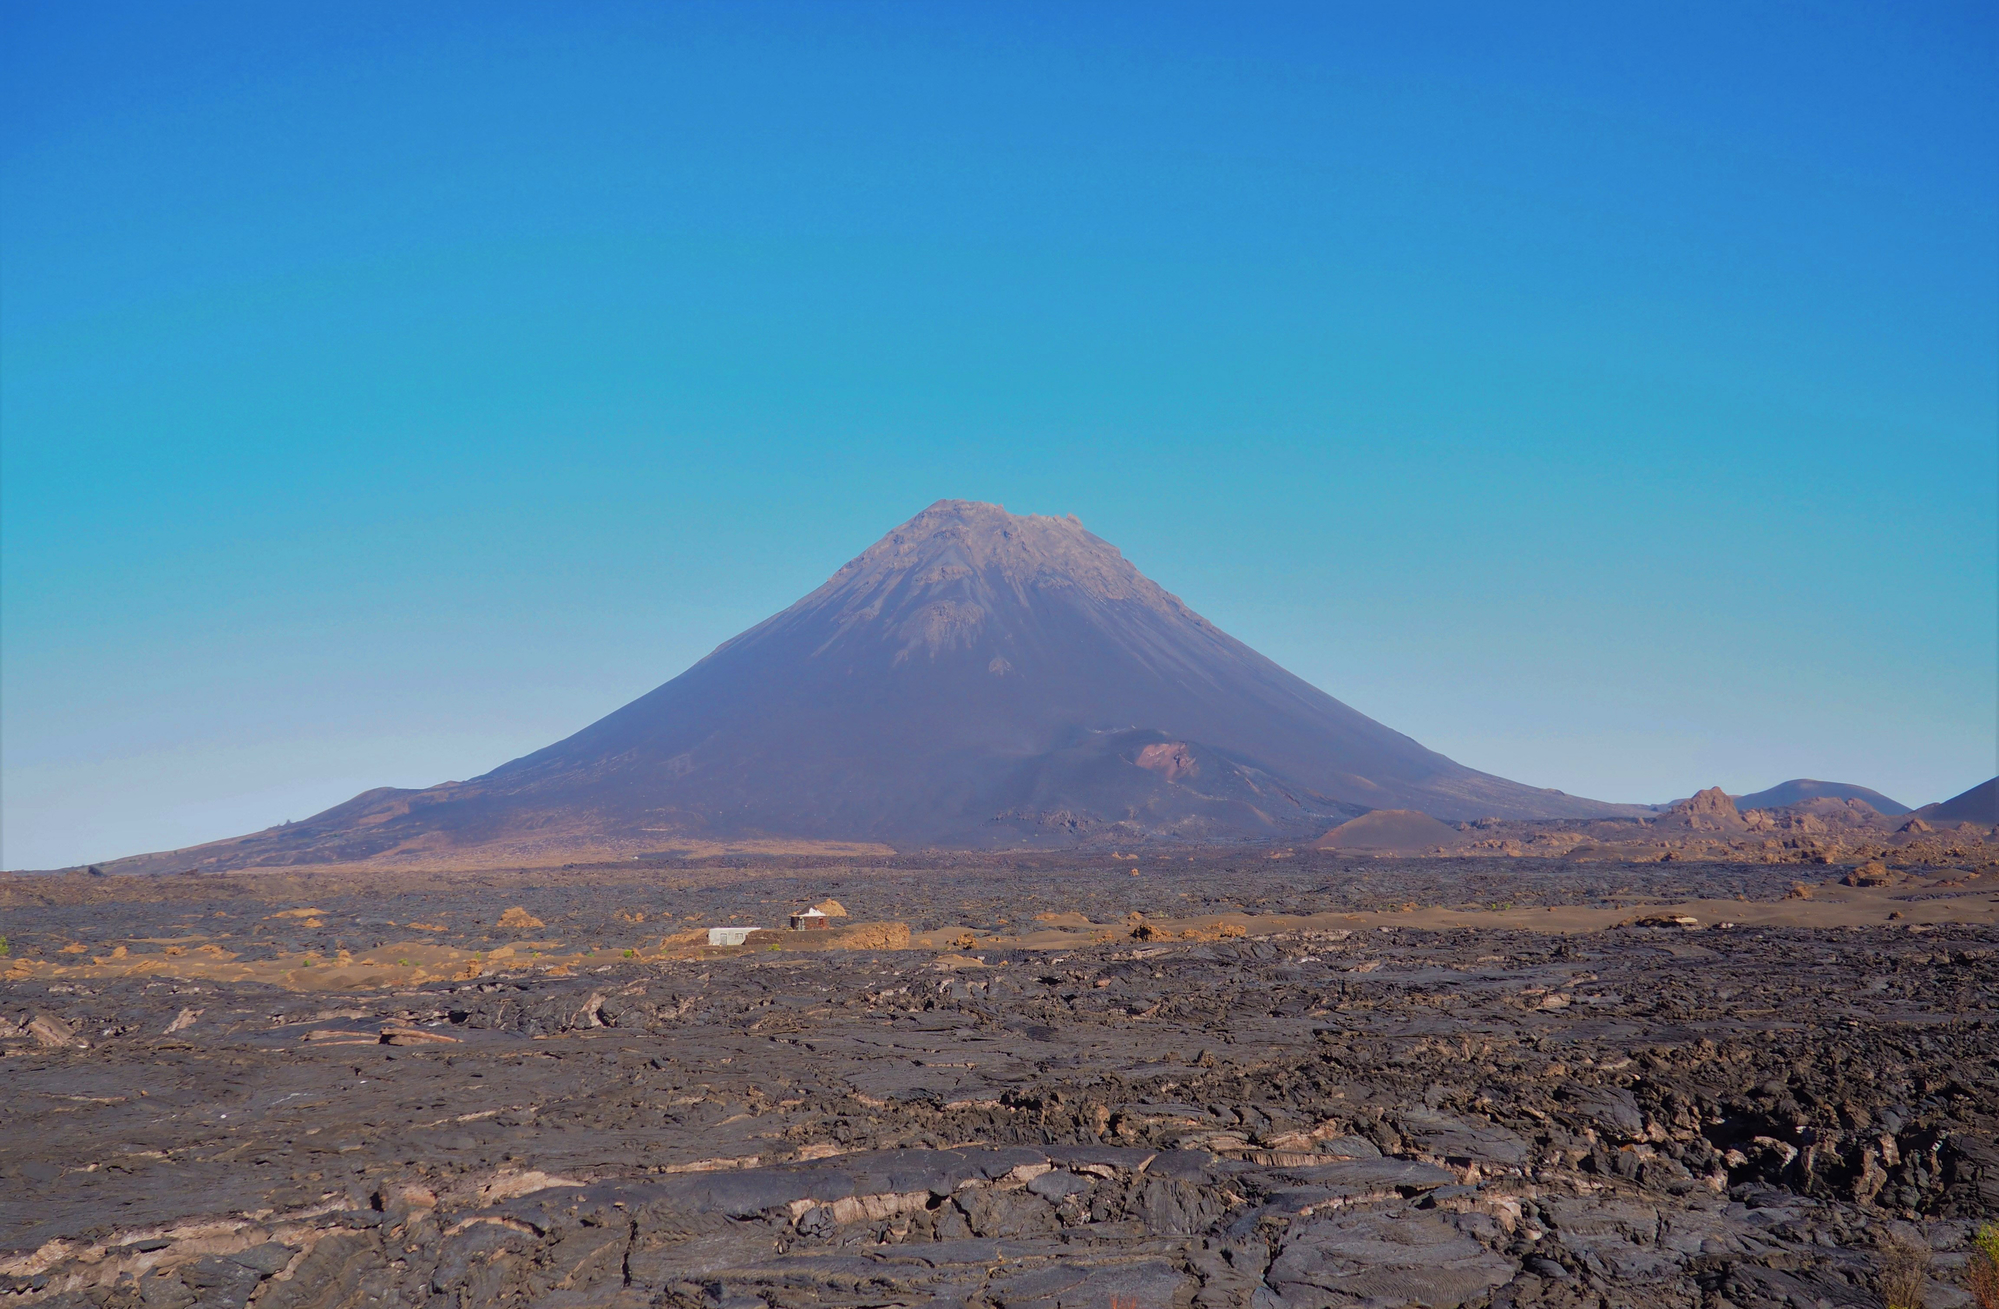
1282,1078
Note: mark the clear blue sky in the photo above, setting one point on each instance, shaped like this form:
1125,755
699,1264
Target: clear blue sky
1605,395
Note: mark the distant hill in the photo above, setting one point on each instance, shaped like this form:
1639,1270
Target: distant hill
1801,789
1389,829
973,679
1978,805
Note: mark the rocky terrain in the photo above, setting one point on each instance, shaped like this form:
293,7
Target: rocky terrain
1294,1082
1707,827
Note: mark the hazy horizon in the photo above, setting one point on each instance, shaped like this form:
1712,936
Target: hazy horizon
1608,403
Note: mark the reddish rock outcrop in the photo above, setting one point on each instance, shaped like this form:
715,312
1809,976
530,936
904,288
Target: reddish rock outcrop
1707,811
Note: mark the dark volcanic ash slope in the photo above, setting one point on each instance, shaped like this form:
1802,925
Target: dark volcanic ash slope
974,678
1978,805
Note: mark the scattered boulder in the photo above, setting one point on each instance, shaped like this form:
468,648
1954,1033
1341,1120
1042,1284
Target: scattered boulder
1871,873
518,919
51,1032
266,1259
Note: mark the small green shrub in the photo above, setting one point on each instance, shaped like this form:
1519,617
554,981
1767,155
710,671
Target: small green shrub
5,949
1985,1266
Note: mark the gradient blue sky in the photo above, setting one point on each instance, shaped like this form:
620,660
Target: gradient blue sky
1607,396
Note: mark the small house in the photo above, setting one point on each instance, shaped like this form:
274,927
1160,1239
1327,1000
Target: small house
729,935
808,920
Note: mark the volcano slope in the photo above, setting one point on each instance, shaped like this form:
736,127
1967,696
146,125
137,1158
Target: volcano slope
974,679
1272,1116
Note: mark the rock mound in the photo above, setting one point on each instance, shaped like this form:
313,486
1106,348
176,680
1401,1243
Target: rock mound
1389,829
1706,811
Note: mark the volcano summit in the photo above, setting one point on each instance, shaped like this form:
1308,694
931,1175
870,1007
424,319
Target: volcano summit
973,679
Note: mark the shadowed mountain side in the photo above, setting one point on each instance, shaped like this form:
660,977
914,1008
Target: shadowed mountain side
1978,805
1798,790
973,679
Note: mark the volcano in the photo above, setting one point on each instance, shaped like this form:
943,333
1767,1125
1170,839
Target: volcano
974,679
